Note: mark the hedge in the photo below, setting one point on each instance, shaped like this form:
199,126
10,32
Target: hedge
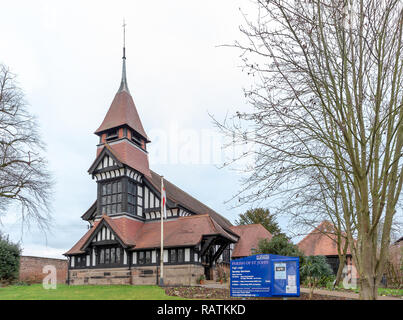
9,260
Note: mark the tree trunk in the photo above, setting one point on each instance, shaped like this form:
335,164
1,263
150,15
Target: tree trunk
311,292
368,289
342,260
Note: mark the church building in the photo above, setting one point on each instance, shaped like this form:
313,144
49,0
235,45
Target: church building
122,245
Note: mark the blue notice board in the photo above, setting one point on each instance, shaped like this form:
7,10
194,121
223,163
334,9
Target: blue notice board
265,275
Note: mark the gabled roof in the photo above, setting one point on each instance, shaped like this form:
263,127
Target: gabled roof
321,241
124,228
185,200
174,194
106,150
122,112
139,235
179,232
127,154
250,235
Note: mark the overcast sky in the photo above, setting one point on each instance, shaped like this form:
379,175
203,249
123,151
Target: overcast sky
67,56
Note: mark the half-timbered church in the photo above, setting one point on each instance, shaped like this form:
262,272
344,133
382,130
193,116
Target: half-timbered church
122,245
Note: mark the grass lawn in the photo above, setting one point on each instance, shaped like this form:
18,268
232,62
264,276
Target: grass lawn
88,292
381,291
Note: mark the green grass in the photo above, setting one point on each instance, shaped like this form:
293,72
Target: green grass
88,292
381,291
390,292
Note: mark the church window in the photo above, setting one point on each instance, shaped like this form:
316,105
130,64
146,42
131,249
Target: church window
111,200
117,255
102,256
132,197
180,255
110,256
148,257
173,255
141,257
107,256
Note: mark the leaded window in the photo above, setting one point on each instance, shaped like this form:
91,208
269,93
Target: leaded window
181,255
131,197
110,256
141,257
80,261
111,197
148,257
173,255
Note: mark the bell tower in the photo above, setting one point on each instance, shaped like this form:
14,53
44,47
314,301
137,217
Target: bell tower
122,157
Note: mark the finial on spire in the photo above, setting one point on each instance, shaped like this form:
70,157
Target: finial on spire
124,38
123,83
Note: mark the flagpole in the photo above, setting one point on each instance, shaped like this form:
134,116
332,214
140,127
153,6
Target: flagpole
162,233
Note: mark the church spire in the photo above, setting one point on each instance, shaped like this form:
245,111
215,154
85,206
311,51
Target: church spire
123,83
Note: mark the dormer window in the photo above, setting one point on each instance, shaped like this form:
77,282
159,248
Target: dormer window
112,135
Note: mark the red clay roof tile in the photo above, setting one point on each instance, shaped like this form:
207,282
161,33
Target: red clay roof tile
250,235
122,111
128,154
320,241
179,232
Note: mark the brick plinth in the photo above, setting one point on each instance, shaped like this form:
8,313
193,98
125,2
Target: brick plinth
185,275
100,276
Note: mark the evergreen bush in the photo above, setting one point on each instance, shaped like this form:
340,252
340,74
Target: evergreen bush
9,260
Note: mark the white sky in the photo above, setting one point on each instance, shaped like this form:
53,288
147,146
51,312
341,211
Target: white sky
67,56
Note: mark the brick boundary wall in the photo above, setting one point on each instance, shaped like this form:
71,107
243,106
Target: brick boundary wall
31,269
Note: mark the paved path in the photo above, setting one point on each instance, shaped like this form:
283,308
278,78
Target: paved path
349,295
344,294
215,285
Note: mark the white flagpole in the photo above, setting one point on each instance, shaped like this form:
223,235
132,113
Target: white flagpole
162,233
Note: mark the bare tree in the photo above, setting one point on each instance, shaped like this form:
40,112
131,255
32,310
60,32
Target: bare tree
328,98
320,201
24,178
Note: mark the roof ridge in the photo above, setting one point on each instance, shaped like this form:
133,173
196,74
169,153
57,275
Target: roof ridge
189,195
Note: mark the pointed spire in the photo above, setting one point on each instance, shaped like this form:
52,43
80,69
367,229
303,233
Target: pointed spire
123,83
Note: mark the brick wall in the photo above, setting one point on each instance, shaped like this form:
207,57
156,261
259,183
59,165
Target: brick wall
31,269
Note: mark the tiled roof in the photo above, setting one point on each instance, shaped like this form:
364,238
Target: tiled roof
182,231
182,198
179,232
321,241
122,112
126,229
250,235
128,154
76,249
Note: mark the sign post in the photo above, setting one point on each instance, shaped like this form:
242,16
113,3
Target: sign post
265,275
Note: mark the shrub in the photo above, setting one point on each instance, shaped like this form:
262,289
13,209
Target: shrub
315,271
280,245
221,273
9,260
